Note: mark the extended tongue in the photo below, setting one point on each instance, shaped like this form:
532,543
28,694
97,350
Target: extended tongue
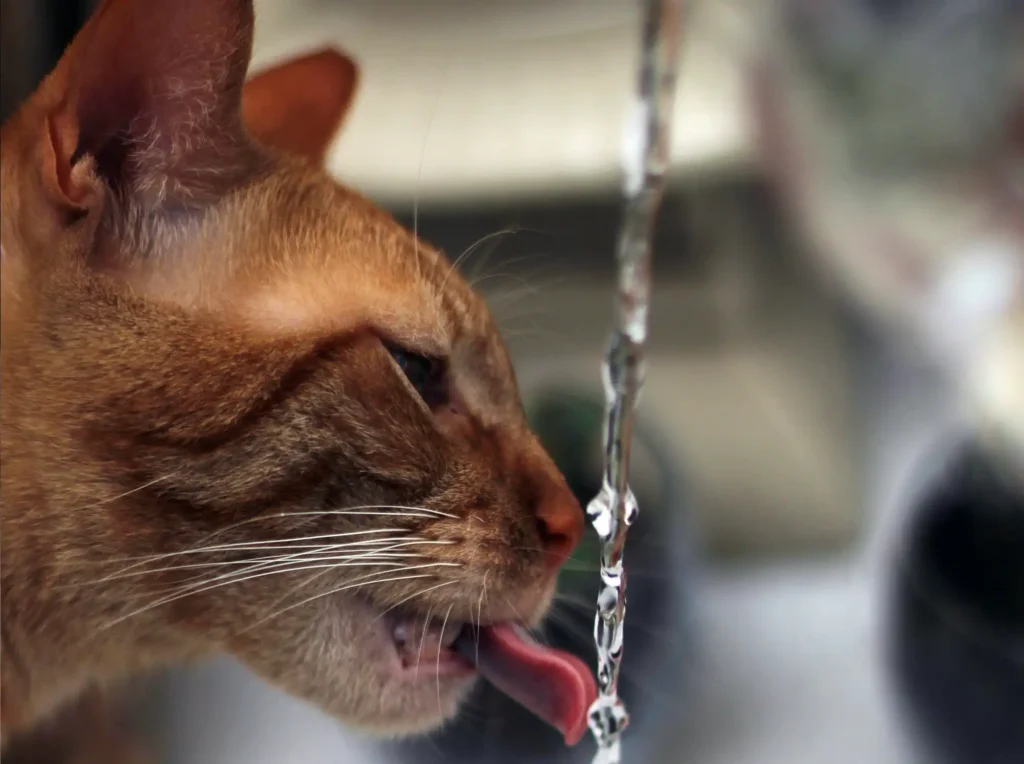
555,685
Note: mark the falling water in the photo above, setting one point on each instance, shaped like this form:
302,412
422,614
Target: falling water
613,510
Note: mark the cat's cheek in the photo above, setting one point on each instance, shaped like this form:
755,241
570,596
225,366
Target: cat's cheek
535,603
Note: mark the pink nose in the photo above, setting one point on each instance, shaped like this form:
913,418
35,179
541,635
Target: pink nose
560,525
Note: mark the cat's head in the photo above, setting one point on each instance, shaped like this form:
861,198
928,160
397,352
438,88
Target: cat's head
244,409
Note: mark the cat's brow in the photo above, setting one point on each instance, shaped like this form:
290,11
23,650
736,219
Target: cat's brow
341,300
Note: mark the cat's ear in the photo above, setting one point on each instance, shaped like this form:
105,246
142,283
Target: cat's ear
148,104
297,107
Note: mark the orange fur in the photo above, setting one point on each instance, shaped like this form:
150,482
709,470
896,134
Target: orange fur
192,348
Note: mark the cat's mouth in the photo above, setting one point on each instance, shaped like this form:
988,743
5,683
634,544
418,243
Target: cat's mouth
424,647
555,685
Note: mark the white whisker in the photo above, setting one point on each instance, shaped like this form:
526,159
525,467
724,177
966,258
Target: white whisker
276,562
411,596
470,250
423,640
374,555
523,622
440,711
480,614
142,559
485,253
142,487
357,511
419,171
291,567
478,269
357,584
270,544
388,548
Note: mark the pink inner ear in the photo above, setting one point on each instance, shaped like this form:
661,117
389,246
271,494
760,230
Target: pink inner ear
297,107
154,95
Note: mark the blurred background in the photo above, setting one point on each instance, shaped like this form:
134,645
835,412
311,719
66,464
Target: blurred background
829,564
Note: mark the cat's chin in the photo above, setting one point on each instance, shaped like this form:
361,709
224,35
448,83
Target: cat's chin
385,670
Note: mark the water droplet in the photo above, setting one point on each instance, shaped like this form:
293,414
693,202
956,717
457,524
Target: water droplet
609,754
604,523
607,719
632,509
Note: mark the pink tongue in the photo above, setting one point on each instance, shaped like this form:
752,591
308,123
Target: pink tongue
555,685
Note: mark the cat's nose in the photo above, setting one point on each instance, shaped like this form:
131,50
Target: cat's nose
560,525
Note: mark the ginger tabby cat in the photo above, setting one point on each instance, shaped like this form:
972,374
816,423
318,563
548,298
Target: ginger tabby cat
245,411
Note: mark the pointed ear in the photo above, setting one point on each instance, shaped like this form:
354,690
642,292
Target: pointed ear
298,107
151,104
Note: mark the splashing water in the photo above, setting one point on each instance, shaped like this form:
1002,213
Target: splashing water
614,509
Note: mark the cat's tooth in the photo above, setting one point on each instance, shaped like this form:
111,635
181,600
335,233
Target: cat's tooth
400,634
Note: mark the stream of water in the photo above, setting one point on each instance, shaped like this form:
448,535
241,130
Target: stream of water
645,164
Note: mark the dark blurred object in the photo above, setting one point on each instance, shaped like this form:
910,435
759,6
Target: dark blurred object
33,34
92,730
958,618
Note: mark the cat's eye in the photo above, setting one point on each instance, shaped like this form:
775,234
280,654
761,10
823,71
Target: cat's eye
426,374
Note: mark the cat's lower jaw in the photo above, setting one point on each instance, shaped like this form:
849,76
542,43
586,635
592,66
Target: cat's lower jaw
412,651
